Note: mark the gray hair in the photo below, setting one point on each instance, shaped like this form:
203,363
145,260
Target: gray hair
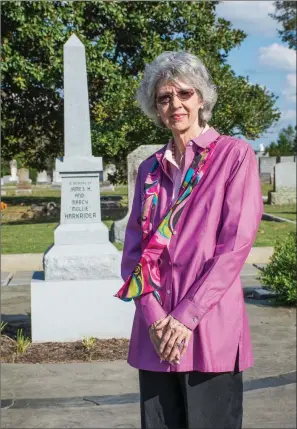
170,67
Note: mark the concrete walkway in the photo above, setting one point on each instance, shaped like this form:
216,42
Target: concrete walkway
106,395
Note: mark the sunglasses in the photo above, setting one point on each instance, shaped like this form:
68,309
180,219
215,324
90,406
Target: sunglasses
182,94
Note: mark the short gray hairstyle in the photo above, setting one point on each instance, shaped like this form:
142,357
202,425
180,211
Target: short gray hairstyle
172,66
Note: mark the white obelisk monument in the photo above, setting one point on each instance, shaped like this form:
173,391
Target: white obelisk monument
74,298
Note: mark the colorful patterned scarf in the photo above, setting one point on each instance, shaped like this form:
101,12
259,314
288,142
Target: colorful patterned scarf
146,276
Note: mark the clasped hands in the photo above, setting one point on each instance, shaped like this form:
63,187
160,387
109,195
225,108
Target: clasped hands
170,339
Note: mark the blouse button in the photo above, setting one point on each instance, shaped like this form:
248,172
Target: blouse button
174,232
195,320
168,292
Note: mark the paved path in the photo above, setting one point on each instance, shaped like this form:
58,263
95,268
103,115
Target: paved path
105,395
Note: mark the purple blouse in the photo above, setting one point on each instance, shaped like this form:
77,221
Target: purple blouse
200,270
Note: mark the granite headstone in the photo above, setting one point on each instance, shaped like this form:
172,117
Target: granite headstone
266,165
134,159
23,186
284,191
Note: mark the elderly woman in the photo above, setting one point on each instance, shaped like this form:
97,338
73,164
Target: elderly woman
195,215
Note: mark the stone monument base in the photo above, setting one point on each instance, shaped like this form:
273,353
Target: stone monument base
81,233
281,198
82,262
71,310
23,188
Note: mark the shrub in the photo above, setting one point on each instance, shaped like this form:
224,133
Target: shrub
280,274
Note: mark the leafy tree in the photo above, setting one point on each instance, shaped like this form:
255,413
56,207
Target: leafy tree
285,14
285,145
120,38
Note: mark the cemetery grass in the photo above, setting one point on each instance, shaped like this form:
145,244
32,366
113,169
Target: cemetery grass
269,232
266,187
37,237
287,211
23,234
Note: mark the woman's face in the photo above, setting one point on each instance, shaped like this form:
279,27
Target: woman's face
178,105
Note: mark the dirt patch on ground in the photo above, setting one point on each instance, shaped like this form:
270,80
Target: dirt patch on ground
79,351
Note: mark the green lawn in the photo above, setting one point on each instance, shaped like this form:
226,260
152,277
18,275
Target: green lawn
34,236
265,188
269,232
31,238
286,211
21,235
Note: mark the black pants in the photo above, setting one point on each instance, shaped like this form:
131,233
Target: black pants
177,400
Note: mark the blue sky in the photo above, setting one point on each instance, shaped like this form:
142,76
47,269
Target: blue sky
263,57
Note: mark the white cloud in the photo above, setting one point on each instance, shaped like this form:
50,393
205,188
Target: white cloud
291,79
289,115
249,16
278,56
290,89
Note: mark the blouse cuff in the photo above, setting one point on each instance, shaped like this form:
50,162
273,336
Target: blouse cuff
186,313
150,308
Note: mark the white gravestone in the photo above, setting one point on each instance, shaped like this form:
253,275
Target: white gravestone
266,165
3,192
57,181
82,269
284,191
110,169
287,158
43,178
13,171
23,186
134,160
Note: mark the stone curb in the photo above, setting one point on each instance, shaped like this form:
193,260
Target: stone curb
7,279
34,261
268,216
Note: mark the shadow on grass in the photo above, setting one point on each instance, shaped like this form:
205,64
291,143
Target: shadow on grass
29,200
40,220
